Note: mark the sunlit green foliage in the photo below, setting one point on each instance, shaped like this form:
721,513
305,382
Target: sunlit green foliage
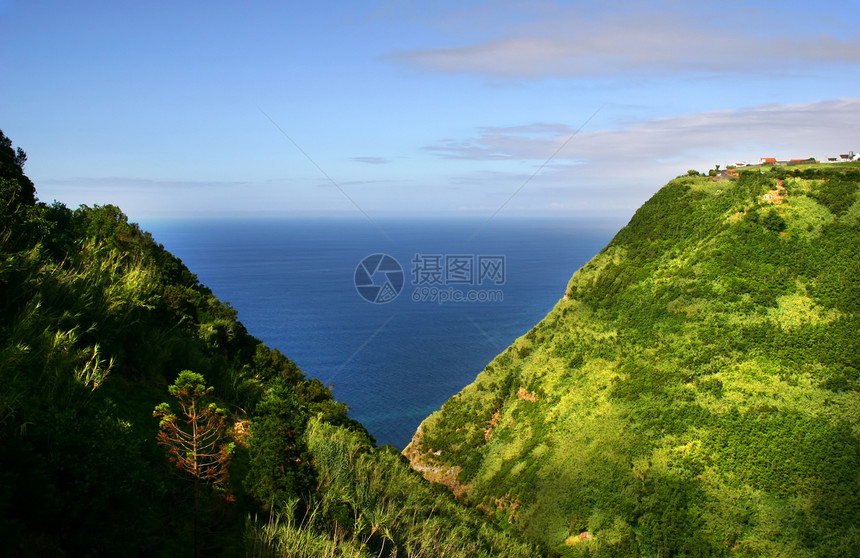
696,392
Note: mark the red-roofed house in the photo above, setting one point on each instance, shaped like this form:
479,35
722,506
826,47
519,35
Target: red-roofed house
766,160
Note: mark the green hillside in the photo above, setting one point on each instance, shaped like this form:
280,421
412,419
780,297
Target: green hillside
695,392
107,344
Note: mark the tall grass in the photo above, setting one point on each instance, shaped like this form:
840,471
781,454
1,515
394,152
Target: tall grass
370,503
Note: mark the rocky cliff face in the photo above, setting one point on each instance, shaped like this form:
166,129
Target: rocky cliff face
695,389
430,469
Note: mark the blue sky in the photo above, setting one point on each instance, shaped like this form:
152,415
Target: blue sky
583,110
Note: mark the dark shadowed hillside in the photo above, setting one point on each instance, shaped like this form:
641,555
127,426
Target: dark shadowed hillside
138,417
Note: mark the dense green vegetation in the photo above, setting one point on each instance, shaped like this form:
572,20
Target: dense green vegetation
697,390
109,347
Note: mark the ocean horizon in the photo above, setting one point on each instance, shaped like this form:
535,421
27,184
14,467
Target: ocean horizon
397,315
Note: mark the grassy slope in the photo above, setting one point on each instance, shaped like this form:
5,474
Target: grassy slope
694,392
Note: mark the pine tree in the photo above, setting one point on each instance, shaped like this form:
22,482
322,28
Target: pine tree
196,441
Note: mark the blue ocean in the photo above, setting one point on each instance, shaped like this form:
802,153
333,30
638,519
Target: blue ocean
397,315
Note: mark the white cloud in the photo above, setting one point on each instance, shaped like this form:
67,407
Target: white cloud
581,44
783,130
371,160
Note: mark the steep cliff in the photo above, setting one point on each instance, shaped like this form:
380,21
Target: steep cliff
694,391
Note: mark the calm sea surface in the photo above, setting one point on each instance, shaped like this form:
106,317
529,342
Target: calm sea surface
293,284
